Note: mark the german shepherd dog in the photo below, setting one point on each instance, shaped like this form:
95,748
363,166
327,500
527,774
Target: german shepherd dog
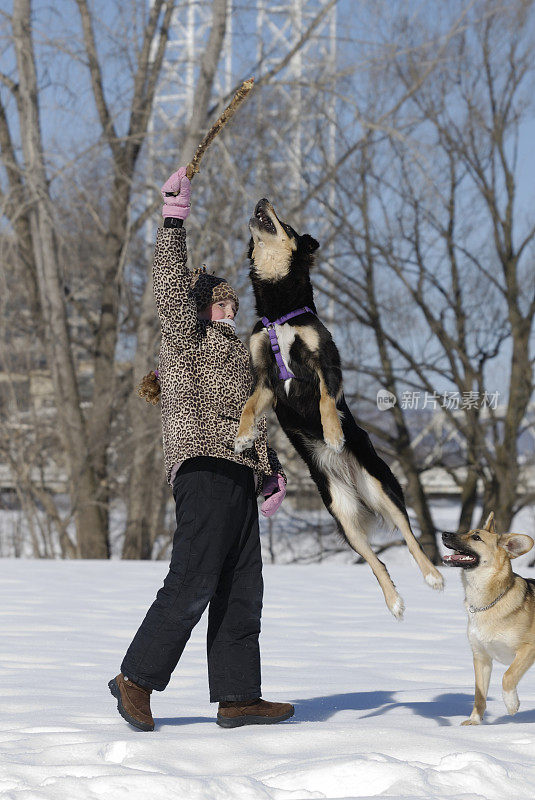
500,607
355,484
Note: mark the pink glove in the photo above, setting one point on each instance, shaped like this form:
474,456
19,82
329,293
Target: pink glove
177,206
274,490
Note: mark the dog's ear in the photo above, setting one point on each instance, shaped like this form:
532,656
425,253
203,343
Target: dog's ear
309,244
515,544
489,524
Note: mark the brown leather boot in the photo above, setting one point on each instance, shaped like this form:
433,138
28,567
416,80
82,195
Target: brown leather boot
133,702
232,714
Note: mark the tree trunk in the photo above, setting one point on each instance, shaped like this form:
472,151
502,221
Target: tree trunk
20,223
520,388
146,437
92,539
100,419
468,502
418,501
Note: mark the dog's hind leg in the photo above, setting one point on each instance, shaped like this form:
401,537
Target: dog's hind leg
346,513
376,497
429,571
524,658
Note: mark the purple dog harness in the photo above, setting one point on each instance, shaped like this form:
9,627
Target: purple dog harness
284,373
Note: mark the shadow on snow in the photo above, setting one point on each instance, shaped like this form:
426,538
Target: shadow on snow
445,708
318,709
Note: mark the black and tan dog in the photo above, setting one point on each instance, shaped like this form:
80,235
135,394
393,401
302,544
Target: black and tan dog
500,607
302,379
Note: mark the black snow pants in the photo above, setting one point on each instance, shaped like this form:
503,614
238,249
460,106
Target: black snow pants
215,561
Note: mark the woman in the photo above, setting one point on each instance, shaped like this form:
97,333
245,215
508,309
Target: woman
216,559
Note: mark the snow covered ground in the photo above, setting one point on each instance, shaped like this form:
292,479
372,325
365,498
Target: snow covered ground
378,703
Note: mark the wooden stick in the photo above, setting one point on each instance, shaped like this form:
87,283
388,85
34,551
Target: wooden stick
221,121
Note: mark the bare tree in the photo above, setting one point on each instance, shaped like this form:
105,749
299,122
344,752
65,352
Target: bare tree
44,247
476,128
85,440
445,281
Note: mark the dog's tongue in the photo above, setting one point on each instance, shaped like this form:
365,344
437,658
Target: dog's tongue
458,558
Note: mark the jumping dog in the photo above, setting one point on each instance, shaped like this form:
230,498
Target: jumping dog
296,369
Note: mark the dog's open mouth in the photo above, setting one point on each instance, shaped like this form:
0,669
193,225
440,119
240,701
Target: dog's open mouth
261,218
462,555
461,559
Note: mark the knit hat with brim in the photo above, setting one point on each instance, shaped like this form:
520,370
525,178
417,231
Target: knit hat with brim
207,288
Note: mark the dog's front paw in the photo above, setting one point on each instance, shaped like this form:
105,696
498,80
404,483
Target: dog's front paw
435,580
244,441
336,443
472,721
512,703
397,608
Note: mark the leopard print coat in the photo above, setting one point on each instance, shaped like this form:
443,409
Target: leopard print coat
203,371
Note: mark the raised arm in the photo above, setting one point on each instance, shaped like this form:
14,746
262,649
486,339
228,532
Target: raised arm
171,278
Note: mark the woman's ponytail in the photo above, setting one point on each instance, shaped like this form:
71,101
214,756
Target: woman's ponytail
149,388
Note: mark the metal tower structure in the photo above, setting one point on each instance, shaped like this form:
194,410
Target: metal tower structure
266,32
189,33
305,135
